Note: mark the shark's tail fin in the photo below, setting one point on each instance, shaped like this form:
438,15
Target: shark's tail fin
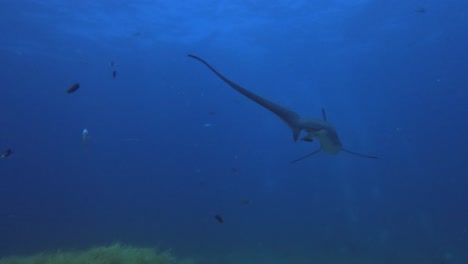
290,117
358,154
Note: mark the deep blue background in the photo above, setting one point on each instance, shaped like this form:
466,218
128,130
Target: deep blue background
393,82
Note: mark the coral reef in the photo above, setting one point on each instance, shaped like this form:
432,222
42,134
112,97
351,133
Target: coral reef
114,254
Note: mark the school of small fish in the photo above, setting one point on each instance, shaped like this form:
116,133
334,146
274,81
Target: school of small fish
85,136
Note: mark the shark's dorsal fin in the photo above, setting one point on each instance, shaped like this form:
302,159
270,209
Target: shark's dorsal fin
324,115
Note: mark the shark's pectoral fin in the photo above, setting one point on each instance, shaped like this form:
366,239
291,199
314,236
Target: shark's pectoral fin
306,156
358,154
296,133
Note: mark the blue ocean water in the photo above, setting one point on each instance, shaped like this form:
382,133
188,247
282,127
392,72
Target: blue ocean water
171,145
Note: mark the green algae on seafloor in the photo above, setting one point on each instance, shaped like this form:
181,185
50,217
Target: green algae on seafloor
114,254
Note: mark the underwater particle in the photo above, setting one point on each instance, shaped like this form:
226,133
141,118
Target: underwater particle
73,88
132,140
84,137
246,201
421,10
112,63
212,113
6,153
219,219
114,74
207,125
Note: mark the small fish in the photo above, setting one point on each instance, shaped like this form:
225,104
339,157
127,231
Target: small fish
212,113
84,137
73,88
219,219
112,63
421,10
7,153
114,73
234,170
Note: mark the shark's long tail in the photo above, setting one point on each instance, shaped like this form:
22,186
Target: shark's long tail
288,116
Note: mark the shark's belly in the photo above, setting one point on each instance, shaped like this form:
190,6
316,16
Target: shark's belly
329,146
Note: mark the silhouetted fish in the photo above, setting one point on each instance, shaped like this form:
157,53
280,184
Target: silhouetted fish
246,201
7,153
219,219
73,88
114,73
421,10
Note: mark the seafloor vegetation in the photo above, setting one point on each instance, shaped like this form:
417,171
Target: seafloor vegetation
114,254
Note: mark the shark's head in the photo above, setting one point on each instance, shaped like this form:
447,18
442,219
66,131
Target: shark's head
324,132
329,141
